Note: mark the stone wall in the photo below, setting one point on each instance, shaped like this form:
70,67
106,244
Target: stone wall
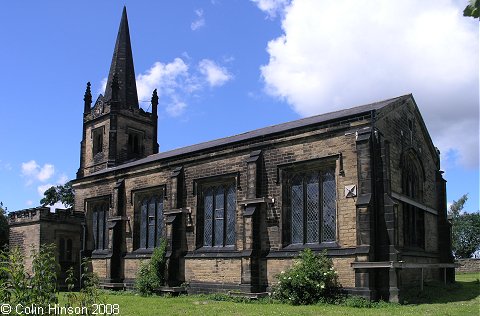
31,228
468,265
323,142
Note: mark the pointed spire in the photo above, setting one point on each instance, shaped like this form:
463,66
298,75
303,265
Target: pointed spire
122,67
88,99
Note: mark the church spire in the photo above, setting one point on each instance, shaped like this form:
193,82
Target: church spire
122,68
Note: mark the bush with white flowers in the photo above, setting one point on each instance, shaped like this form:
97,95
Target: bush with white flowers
310,279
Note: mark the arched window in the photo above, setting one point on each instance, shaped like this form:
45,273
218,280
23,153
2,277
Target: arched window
150,224
412,187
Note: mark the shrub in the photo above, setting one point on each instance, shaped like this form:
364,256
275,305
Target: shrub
16,287
44,281
89,293
151,274
310,279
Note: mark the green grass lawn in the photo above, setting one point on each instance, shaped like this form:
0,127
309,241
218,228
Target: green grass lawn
462,298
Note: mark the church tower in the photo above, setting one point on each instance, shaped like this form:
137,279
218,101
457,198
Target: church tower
116,130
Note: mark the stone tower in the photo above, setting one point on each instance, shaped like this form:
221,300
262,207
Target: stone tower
116,130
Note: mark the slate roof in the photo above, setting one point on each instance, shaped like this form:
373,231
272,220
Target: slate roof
262,132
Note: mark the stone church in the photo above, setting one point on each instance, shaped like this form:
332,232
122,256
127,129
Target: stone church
363,183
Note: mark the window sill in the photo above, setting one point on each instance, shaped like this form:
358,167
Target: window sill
313,246
139,253
292,251
101,254
214,252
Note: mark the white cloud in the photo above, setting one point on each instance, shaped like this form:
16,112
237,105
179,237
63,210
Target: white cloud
172,81
176,82
46,172
33,171
62,179
271,7
30,168
336,54
164,77
103,86
29,202
58,205
199,21
176,108
44,187
214,74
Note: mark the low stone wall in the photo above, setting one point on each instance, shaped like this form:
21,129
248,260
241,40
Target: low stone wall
468,265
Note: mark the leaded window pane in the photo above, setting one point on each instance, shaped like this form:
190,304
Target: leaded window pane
101,230
312,208
143,224
159,221
95,227
231,206
151,223
208,218
219,216
329,206
297,210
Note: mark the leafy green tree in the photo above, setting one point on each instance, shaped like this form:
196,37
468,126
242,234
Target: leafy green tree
457,206
472,9
3,226
60,193
465,229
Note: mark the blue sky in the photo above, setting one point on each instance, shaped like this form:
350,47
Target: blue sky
226,67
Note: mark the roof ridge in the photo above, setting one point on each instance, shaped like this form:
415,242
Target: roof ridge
264,131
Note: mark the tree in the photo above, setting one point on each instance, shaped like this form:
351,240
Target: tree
3,226
457,206
472,9
60,193
465,229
